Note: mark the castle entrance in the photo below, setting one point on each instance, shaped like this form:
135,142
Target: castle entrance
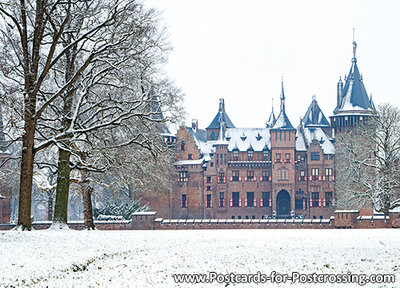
283,204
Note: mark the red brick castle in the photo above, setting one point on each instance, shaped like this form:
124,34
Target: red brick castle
276,171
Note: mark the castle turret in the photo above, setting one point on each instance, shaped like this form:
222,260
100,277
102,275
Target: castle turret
354,105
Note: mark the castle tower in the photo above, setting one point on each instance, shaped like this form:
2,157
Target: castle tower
283,143
353,104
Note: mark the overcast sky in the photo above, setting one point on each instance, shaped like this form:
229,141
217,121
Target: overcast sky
239,50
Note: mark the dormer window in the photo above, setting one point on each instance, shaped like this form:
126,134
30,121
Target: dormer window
265,155
235,155
250,155
212,136
243,137
258,137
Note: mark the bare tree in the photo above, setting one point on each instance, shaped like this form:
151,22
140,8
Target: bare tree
66,65
367,161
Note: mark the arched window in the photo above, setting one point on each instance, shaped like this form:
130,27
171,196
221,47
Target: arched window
212,135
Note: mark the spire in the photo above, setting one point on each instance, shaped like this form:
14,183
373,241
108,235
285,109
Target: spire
371,101
221,105
282,98
354,48
271,120
339,91
282,122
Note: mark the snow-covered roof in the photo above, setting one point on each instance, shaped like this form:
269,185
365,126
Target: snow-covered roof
314,116
190,162
317,133
355,97
300,141
282,122
245,138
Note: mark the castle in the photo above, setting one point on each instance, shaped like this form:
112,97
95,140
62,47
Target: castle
274,172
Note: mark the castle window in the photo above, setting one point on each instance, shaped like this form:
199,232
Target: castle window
209,201
265,199
250,155
328,174
250,199
283,174
235,155
208,188
190,156
265,155
183,146
302,175
287,157
315,173
278,157
212,135
315,156
265,175
183,201
298,204
315,199
208,179
235,175
328,199
235,199
221,177
250,175
221,199
183,176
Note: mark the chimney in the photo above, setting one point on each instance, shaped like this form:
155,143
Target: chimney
195,125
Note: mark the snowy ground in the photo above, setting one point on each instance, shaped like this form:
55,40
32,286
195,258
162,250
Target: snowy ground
149,258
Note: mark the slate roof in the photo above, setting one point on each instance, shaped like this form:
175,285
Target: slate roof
271,119
221,117
314,116
282,122
355,97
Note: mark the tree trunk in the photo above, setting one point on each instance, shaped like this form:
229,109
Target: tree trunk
50,206
25,190
62,190
87,206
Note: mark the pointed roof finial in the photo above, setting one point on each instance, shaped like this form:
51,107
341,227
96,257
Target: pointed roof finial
354,47
282,98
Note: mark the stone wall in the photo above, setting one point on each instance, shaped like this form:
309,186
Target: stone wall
344,219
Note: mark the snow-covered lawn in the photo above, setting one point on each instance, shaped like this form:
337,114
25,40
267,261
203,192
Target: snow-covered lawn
149,258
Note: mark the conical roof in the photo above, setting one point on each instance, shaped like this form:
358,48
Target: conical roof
221,117
355,97
314,116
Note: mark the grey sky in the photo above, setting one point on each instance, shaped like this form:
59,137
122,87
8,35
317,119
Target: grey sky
238,50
